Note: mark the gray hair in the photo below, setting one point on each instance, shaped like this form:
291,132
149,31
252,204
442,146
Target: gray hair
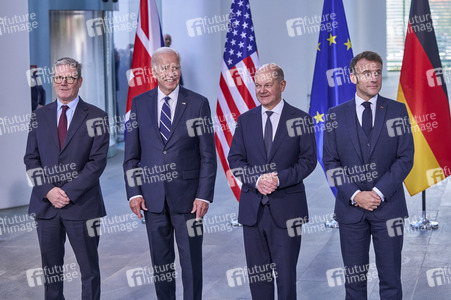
67,61
277,71
160,51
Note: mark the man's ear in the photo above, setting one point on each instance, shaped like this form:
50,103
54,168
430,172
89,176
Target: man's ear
283,84
354,78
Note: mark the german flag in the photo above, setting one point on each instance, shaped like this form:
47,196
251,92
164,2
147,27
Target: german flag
422,88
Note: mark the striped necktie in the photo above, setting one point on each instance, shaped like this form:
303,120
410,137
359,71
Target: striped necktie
165,120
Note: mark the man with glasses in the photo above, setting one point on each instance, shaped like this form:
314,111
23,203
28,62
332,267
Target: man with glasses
66,154
367,155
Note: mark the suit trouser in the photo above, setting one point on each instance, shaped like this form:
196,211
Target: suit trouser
269,246
355,244
52,236
160,231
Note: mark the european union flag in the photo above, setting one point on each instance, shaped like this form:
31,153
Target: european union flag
331,81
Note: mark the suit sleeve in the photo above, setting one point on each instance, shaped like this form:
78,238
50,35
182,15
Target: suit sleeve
132,153
332,161
208,164
89,176
32,158
389,182
306,161
237,157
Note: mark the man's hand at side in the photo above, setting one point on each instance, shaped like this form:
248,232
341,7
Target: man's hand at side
200,208
136,204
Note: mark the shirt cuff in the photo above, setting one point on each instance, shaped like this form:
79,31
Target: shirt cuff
203,200
353,196
379,193
137,196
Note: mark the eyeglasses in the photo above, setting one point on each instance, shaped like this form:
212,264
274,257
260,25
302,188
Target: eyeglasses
59,79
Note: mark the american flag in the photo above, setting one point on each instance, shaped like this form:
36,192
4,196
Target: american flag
148,39
236,93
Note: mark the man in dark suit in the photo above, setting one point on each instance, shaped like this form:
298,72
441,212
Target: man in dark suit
66,154
367,155
271,156
170,171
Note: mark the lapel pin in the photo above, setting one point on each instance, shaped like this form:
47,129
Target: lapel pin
184,103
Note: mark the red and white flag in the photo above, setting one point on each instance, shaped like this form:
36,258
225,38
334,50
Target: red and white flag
236,93
148,38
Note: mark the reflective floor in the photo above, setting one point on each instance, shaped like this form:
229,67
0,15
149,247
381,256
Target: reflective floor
125,258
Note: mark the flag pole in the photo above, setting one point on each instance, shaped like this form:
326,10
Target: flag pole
424,223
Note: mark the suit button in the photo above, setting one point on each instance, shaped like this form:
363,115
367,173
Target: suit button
368,145
164,152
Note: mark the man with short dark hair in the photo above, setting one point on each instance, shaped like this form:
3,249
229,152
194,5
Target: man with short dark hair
66,154
367,159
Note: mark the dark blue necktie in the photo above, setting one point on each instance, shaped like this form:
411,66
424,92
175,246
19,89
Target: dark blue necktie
367,118
268,143
268,133
165,120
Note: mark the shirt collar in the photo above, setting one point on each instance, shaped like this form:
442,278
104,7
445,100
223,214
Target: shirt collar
72,105
359,101
277,109
173,95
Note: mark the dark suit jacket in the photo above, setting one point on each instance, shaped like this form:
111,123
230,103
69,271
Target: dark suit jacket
81,153
391,156
192,156
293,157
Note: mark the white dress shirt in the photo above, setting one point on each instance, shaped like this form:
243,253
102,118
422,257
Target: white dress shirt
69,112
275,117
360,108
172,102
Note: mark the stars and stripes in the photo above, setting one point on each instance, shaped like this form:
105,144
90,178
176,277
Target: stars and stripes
236,93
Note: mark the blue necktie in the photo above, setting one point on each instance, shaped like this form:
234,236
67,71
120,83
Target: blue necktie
268,133
367,118
165,120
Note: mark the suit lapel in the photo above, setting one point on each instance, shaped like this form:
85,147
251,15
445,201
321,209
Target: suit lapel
80,115
153,113
381,109
182,103
256,127
52,123
281,130
351,123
